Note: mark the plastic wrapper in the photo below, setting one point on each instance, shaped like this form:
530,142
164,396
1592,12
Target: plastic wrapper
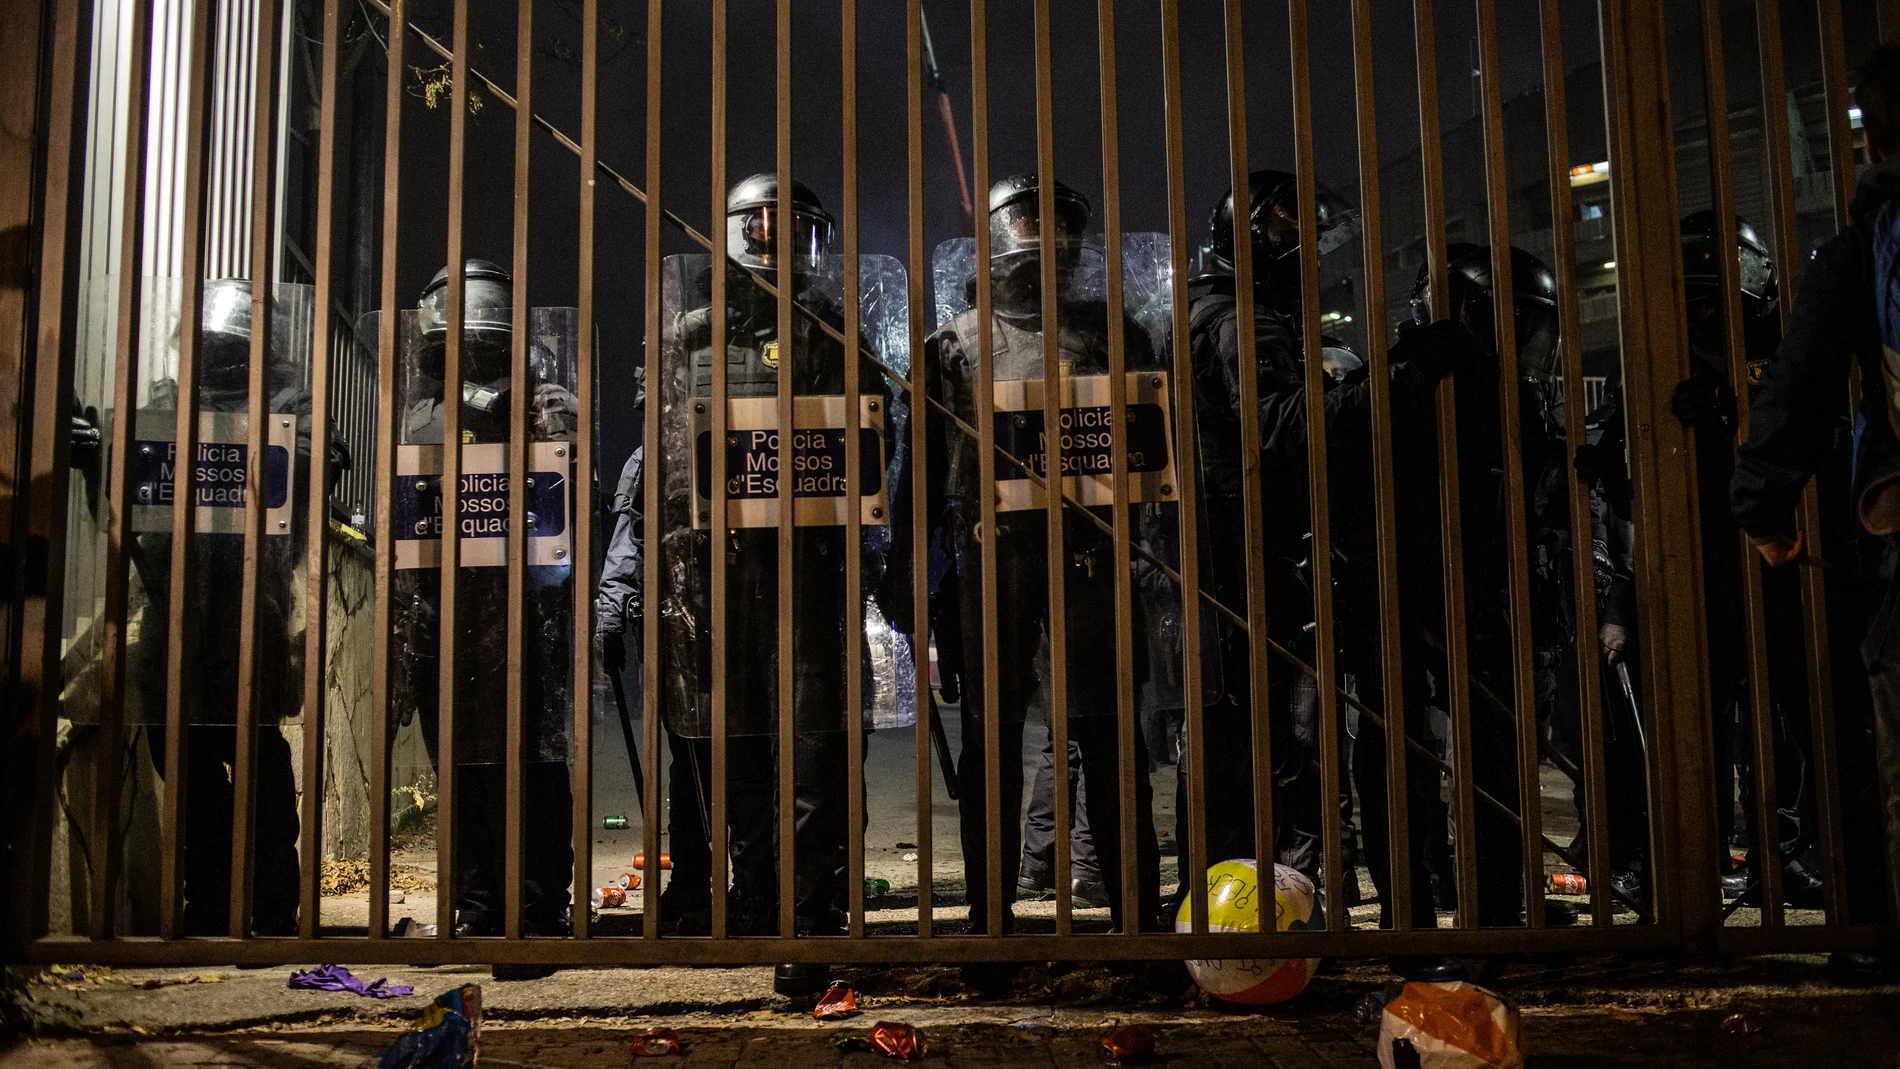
1132,1045
215,482
839,1001
681,401
1450,1025
416,521
657,1043
446,1036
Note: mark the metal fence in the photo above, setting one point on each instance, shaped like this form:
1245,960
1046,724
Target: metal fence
1671,696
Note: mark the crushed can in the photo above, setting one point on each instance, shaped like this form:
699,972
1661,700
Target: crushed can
1129,1046
876,888
609,897
656,1043
839,1001
613,823
895,1039
630,881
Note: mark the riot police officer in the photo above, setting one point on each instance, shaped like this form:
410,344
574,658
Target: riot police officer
1427,355
1019,239
213,639
481,663
755,357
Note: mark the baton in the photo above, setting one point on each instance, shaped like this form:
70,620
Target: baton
943,748
633,749
1636,711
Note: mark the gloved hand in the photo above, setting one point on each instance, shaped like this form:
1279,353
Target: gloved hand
1615,639
1598,463
1701,400
613,651
1436,349
87,441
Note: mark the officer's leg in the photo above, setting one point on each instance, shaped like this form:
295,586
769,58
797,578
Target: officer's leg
274,892
1098,738
1084,863
481,808
547,854
751,817
689,795
1425,815
821,799
1500,845
1038,865
1299,805
207,847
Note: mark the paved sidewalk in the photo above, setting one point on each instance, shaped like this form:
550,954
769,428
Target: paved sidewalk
1596,1013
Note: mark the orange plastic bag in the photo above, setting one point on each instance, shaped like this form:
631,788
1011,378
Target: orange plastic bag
1452,1025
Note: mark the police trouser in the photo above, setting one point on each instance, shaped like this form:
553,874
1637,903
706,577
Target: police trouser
820,821
1039,827
481,829
1733,709
1425,809
689,800
1626,786
1097,738
211,752
1881,652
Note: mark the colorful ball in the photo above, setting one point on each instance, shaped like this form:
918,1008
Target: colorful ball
1234,897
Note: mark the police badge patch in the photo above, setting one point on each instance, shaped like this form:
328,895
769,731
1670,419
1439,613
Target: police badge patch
768,354
1755,369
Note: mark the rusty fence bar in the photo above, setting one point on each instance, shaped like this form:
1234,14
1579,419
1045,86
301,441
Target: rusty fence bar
1644,212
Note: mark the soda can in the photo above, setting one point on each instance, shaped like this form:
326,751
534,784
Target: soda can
839,1001
876,888
640,860
1568,883
613,823
657,1042
1130,1045
895,1039
609,897
630,881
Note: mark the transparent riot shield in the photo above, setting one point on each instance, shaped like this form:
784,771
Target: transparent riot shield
1147,302
682,401
485,389
214,483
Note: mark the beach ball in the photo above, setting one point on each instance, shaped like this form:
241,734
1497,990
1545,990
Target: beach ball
1235,899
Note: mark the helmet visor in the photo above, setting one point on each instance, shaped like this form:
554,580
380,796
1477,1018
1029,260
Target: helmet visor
1537,336
1702,272
753,236
1017,227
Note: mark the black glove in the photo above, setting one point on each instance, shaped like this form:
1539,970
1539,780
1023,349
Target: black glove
1703,400
613,651
1434,349
86,440
1598,463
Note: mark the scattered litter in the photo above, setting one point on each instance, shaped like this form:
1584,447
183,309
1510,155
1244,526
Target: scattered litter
876,888
657,1042
1450,1025
852,1045
910,857
895,1039
407,928
396,898
446,1036
907,846
613,822
1740,1024
171,981
1372,1007
630,881
839,1002
640,860
1129,1046
611,896
338,978
1567,883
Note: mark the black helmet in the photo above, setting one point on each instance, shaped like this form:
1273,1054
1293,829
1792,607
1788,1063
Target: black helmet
1016,240
487,304
1533,292
751,237
1701,271
1273,215
225,350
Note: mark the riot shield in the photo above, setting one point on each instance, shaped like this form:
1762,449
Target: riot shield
682,402
1147,293
416,517
213,482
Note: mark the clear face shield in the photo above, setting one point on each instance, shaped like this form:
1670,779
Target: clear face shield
752,237
1537,338
1016,253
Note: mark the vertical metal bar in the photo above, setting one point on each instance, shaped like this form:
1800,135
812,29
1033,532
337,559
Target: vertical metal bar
1259,702
1840,136
586,494
720,419
184,511
1644,205
387,339
257,418
451,484
516,752
1125,722
316,604
1385,501
919,457
992,800
1185,474
1320,504
853,457
787,510
1582,562
111,744
1503,304
1887,19
1058,625
31,765
1451,523
650,581
1765,853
